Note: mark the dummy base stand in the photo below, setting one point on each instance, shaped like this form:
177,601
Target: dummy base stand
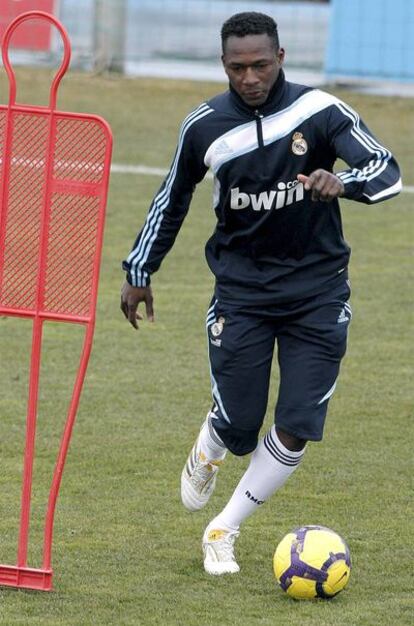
26,577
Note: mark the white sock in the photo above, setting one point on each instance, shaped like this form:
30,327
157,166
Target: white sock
270,467
210,443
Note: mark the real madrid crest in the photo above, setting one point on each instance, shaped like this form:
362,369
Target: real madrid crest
299,144
217,327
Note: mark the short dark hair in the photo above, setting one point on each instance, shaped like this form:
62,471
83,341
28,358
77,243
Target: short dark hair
249,23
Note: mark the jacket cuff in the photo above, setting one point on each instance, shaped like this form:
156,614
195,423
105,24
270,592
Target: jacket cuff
352,186
139,278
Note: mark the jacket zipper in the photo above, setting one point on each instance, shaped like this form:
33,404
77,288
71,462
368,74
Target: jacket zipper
259,128
260,142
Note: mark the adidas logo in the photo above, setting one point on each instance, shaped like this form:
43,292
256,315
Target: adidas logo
223,148
343,317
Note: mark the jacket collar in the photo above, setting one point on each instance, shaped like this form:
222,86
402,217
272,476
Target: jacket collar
270,106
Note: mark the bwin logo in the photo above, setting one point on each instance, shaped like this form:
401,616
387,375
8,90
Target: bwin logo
252,498
285,194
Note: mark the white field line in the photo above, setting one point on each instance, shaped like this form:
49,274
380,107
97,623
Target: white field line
119,168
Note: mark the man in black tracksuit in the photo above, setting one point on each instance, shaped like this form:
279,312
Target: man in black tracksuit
279,260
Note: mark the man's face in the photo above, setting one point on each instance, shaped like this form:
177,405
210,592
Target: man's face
252,64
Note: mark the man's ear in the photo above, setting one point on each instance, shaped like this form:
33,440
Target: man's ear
281,55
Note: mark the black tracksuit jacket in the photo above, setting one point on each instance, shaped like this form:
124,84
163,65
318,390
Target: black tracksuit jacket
272,244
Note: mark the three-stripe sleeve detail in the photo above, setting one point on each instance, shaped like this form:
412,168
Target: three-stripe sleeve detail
381,157
374,167
139,255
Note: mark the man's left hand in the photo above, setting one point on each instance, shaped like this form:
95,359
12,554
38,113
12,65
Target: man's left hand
325,186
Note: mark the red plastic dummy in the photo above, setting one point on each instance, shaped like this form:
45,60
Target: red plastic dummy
54,173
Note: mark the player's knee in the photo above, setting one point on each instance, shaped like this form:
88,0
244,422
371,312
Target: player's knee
291,442
239,442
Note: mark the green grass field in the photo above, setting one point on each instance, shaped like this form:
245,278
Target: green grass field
125,551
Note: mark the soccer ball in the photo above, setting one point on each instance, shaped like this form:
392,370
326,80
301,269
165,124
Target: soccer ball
312,562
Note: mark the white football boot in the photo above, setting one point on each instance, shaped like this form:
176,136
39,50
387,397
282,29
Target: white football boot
218,549
198,479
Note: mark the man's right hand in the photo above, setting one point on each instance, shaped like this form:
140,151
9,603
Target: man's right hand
130,299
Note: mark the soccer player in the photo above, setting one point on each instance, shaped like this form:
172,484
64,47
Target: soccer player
279,259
